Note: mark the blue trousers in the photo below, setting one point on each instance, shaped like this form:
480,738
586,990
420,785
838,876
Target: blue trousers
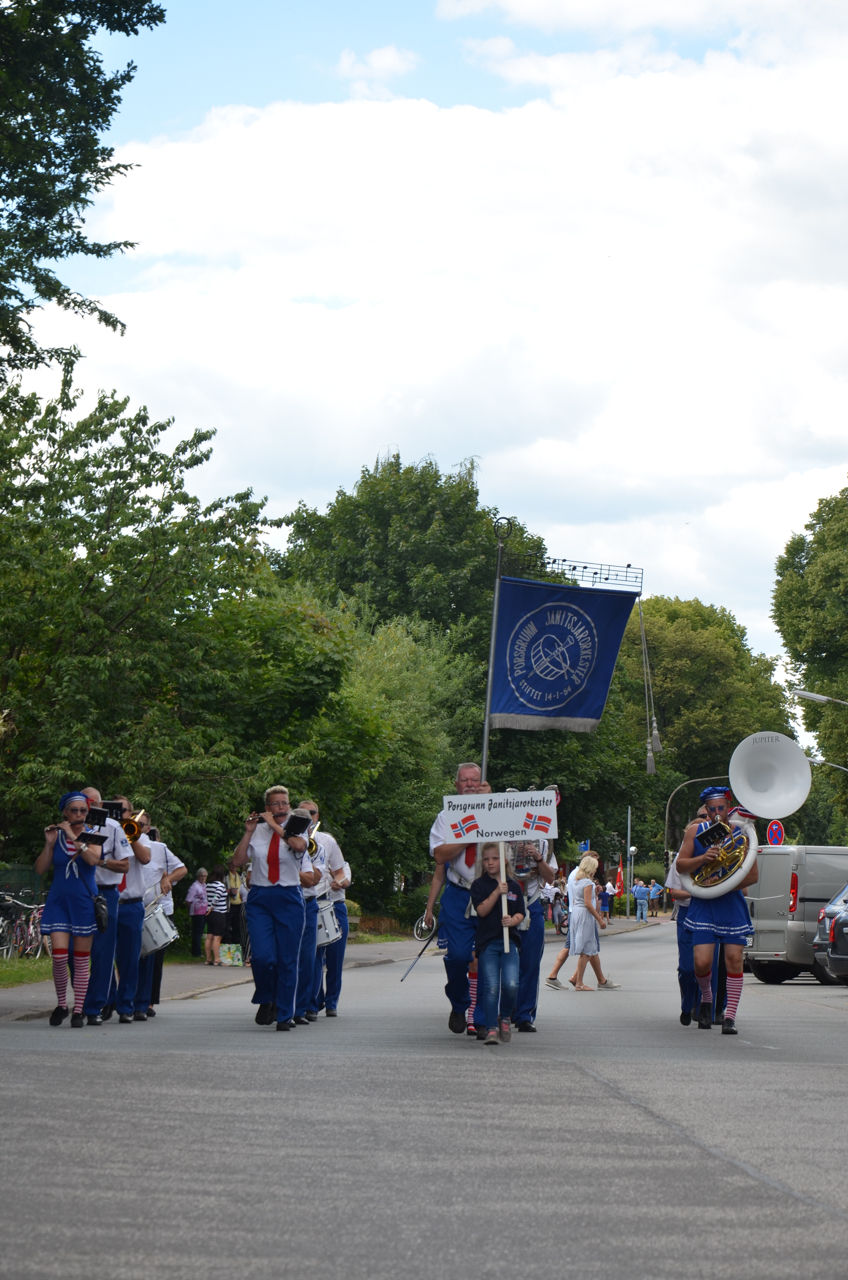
333,961
144,987
642,909
275,923
307,960
103,956
690,995
498,977
459,933
128,953
532,950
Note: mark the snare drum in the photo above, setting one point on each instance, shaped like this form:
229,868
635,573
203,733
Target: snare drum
156,932
329,929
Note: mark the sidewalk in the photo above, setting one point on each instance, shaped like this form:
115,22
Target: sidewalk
187,981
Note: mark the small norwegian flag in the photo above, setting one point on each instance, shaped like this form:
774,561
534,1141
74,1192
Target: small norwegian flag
537,822
465,826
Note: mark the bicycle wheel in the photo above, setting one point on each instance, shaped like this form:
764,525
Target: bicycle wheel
19,938
6,938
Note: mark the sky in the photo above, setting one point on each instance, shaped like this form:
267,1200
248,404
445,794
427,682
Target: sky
600,246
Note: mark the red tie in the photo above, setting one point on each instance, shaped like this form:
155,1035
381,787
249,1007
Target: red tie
470,856
274,859
122,886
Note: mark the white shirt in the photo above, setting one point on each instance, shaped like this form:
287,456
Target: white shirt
328,858
162,862
338,895
117,846
673,881
133,882
534,884
291,863
610,888
440,833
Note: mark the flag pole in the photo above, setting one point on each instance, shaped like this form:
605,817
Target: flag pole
504,910
503,528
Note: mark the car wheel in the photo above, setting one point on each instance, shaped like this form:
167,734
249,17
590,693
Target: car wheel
821,975
773,971
842,979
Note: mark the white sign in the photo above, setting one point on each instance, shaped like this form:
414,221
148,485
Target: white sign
507,815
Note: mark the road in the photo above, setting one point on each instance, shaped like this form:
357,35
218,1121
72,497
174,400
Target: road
614,1143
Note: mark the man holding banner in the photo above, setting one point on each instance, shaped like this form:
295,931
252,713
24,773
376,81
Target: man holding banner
457,926
540,866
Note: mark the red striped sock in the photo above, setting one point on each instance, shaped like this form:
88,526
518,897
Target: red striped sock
82,971
706,985
472,987
60,977
734,991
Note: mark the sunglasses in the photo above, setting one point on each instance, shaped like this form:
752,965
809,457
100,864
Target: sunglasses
313,813
80,811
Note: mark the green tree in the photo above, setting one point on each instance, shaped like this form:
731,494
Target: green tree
409,541
145,642
56,101
810,609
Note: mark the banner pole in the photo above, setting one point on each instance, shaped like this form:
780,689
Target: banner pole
484,762
504,905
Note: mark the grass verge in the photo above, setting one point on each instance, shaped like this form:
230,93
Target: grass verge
15,972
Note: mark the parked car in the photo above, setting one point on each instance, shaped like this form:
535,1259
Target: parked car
796,882
830,945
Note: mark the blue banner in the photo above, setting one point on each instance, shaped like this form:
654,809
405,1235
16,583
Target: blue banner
555,652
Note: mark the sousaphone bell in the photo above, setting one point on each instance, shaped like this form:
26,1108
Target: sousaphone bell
769,775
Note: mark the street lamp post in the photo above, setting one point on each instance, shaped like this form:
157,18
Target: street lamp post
816,697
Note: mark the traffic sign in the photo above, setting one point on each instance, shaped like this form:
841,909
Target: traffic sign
775,833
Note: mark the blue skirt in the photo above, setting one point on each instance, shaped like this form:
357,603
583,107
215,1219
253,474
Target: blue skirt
723,919
69,908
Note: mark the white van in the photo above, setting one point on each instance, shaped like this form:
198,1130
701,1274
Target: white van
795,882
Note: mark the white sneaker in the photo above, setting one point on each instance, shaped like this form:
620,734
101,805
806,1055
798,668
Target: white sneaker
555,984
609,985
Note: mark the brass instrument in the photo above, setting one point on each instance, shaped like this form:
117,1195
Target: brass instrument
132,826
731,849
311,844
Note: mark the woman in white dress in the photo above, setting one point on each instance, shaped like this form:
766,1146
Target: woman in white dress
584,922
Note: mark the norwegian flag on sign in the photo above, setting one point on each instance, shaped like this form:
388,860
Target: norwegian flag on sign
537,822
465,826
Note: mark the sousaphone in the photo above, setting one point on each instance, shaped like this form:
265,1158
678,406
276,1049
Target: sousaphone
769,775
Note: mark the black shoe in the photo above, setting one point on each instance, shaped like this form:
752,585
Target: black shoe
77,1020
94,1020
126,1017
311,1017
718,1020
138,1016
686,1018
151,1012
525,1026
58,1016
107,1012
471,1030
481,1033
456,1022
266,1014
285,1026
331,1013
301,1022
705,1016
729,1027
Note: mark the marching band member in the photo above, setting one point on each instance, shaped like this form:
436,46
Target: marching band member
541,864
69,909
130,923
113,866
333,954
457,926
310,966
275,910
718,920
686,979
162,872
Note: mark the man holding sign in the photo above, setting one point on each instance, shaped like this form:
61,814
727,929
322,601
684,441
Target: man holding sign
457,926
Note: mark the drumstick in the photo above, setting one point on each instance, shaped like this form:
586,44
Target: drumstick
504,910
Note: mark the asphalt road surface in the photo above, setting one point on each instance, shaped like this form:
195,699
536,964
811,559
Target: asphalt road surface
614,1143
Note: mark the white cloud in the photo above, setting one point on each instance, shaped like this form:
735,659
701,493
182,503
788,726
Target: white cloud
629,301
368,76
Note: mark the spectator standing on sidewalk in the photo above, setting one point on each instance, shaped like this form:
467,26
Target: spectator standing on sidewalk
654,897
641,893
604,904
198,908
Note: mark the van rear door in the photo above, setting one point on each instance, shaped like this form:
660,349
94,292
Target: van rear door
768,900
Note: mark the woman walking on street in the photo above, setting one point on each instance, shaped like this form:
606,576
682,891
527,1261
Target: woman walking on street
584,920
